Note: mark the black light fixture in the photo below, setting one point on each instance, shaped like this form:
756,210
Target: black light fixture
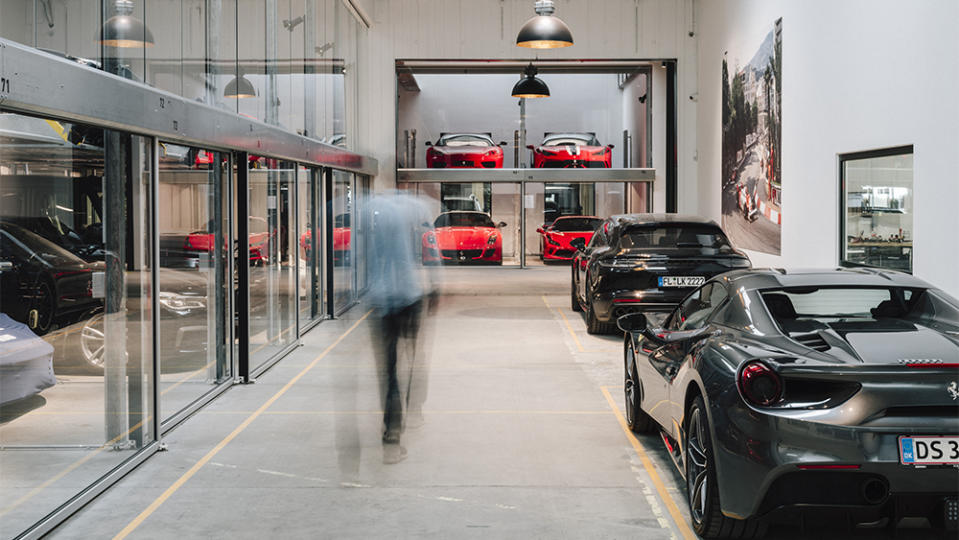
544,31
530,86
240,87
123,30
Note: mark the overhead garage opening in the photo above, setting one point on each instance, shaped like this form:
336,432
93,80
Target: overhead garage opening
587,150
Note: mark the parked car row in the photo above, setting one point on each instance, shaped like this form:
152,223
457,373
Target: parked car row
557,151
778,393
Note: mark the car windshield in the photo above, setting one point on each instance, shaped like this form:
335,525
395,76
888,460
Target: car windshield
577,140
464,140
463,219
707,239
23,243
802,310
576,224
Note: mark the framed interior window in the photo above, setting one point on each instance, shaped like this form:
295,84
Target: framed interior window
876,214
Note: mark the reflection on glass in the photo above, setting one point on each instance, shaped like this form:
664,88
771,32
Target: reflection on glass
364,219
75,328
273,248
193,224
878,211
310,259
343,287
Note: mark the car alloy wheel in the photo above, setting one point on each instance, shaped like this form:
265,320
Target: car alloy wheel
93,341
702,492
697,466
637,419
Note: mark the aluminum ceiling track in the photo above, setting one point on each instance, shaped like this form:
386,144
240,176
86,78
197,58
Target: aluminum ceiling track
524,175
34,82
517,65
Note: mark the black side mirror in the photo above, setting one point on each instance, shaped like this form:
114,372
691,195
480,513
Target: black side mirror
632,322
501,224
429,143
530,146
610,146
427,224
502,143
578,243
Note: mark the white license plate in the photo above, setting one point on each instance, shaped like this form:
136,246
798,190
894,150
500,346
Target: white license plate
681,281
929,450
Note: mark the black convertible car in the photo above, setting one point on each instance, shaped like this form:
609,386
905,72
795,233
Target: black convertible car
779,393
646,262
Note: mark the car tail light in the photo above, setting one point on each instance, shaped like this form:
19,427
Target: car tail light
759,384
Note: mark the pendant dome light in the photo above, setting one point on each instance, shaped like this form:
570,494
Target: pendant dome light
240,87
544,31
123,30
530,86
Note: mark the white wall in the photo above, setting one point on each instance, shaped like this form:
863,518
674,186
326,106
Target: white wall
486,29
857,75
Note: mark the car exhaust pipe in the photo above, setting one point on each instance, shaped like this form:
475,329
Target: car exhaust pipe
874,491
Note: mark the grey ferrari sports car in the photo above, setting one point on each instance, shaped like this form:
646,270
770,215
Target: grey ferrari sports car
789,392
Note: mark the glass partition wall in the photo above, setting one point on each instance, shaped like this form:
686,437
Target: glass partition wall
344,282
273,259
310,283
76,328
194,289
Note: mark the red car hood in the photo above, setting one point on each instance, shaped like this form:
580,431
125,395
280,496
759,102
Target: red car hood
563,238
463,237
474,151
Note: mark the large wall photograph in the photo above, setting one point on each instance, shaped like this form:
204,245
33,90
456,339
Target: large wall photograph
752,139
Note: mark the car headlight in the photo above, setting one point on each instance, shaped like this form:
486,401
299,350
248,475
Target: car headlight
551,241
179,302
492,240
430,239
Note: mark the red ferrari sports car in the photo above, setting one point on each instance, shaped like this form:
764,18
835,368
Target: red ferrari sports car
464,151
464,237
556,237
342,235
571,151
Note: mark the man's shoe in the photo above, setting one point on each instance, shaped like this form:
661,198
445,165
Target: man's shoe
393,453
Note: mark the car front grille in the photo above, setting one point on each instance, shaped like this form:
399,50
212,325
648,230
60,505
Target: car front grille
462,253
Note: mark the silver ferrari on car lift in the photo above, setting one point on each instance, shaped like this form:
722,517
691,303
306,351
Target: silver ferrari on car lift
783,393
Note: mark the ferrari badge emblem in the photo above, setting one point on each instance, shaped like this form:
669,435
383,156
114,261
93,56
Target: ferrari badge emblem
953,390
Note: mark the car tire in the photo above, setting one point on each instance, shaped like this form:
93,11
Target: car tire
42,308
636,418
573,300
593,325
702,492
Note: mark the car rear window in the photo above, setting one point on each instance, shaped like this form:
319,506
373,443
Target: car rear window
576,224
708,240
463,219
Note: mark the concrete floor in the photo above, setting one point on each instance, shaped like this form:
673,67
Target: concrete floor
522,439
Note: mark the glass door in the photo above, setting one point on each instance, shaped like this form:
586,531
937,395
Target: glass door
193,216
310,245
342,240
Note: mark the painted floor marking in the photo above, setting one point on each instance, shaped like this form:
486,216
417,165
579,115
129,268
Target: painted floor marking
671,506
236,432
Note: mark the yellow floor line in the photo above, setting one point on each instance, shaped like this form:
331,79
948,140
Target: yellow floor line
569,327
678,517
236,432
